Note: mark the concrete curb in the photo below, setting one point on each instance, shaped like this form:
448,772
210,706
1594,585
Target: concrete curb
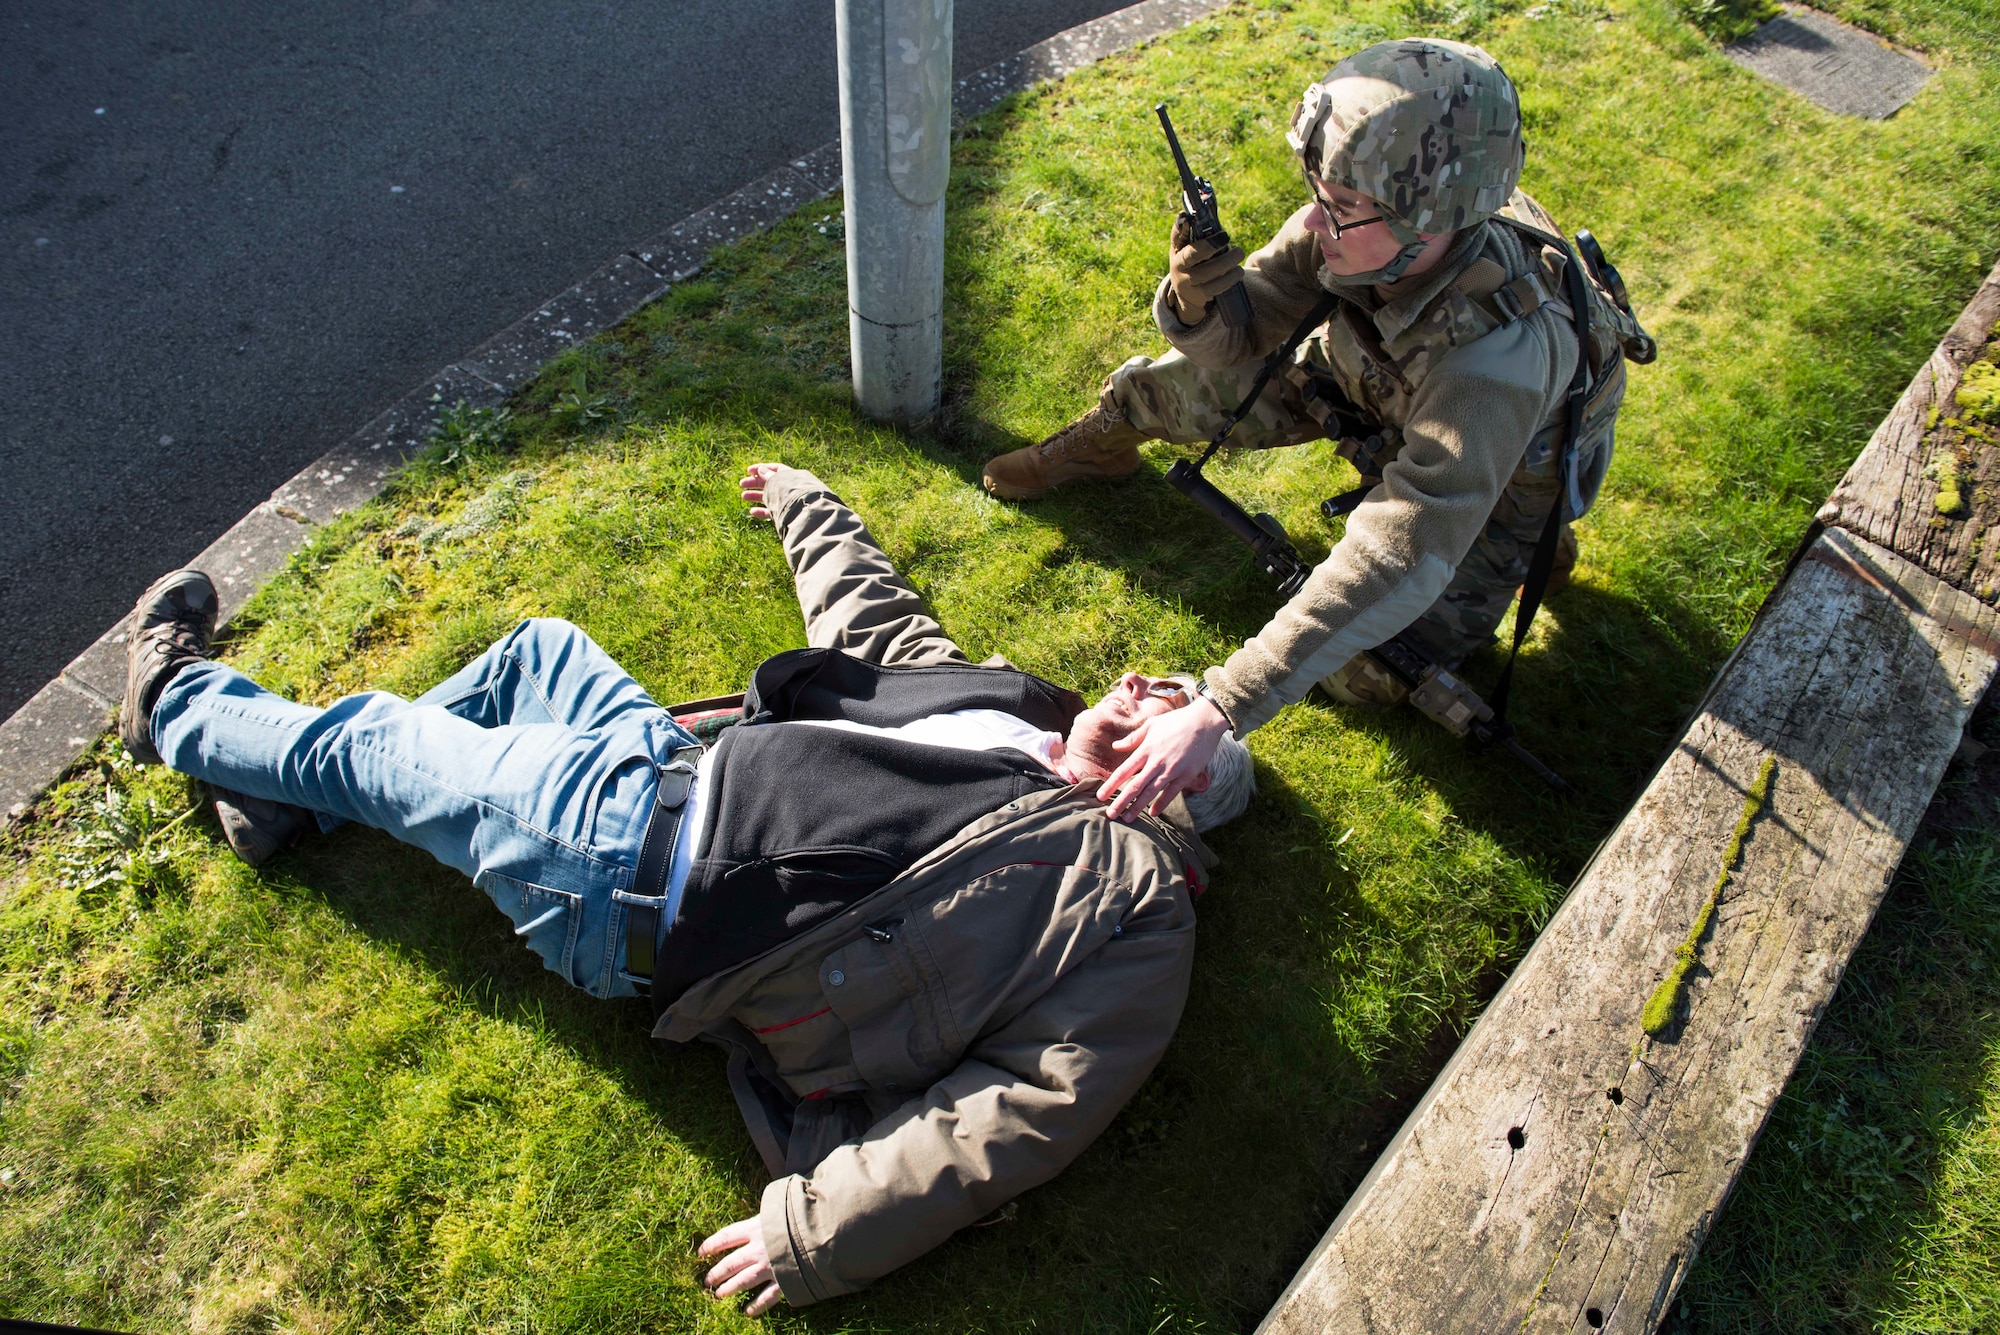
43,738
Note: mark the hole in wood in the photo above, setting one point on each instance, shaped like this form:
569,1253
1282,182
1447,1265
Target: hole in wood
1595,1318
1515,1137
1615,1094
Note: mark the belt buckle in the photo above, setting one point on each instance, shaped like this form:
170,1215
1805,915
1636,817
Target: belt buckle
676,778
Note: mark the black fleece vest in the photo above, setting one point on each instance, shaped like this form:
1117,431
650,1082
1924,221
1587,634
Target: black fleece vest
802,822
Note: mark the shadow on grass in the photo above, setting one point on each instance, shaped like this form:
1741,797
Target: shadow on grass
399,895
1600,696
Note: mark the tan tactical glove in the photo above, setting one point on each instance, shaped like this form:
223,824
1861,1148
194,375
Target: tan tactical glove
1199,271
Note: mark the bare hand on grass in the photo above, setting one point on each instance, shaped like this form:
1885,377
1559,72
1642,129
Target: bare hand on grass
753,484
747,1265
1169,754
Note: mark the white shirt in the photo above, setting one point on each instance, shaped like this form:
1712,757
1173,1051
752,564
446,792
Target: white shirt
966,730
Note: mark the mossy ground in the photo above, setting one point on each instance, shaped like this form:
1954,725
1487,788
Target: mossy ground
336,1095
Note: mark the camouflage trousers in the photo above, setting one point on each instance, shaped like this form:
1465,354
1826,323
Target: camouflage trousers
1173,399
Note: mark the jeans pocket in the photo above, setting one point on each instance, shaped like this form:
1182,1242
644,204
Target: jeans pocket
548,920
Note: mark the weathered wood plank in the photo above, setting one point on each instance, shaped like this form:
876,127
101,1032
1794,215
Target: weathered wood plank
1563,1168
1890,494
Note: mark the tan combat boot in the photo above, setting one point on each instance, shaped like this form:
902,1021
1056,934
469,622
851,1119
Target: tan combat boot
1092,447
1363,681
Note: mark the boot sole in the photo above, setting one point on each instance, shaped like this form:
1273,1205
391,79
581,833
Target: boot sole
1007,493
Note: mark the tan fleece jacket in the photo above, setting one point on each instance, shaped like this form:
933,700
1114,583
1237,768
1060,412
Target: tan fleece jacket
1466,411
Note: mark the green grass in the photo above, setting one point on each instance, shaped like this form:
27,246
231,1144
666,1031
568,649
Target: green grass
336,1095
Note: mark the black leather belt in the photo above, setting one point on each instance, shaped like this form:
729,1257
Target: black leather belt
656,859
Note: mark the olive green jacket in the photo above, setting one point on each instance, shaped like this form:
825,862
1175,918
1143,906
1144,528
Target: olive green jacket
1019,984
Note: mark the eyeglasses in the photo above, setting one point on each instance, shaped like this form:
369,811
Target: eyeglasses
1330,214
1167,689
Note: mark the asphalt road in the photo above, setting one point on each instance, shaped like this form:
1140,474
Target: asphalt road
232,232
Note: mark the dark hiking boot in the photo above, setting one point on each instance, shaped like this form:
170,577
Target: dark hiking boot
170,628
1092,447
257,829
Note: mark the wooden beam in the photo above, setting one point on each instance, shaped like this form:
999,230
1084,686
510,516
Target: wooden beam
1890,495
1564,1167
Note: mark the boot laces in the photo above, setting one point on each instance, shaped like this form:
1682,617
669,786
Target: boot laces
1078,438
185,629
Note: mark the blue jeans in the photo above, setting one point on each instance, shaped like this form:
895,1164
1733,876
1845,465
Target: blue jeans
531,770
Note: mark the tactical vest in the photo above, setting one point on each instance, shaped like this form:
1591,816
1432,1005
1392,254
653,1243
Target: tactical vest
1514,274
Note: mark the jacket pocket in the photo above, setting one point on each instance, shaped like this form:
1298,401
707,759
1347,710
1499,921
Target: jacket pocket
888,991
547,920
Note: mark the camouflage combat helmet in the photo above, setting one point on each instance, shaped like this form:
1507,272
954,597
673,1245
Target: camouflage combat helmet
1429,129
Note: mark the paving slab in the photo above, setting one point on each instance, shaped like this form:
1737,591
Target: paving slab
43,738
511,357
99,671
1074,48
684,247
252,551
1842,68
356,472
821,168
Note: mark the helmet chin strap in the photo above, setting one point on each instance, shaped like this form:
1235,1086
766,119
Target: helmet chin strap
1393,270
1389,273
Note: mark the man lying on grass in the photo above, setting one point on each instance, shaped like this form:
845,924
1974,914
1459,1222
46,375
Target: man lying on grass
889,886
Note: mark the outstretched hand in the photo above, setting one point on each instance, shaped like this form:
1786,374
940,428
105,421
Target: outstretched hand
1168,754
747,1264
753,483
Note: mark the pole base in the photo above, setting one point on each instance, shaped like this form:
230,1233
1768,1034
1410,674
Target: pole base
898,368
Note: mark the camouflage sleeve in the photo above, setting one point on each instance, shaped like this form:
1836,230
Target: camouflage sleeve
1472,420
1283,282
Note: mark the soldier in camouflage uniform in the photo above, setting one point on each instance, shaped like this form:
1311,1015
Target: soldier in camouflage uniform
1452,333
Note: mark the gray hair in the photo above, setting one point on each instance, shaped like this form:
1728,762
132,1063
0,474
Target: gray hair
1232,782
1232,778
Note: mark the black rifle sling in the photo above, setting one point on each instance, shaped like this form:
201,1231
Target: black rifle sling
1314,319
1543,563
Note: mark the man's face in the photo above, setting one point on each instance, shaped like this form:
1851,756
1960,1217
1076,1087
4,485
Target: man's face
1087,751
1357,249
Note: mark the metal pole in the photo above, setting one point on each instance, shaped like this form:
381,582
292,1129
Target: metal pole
895,150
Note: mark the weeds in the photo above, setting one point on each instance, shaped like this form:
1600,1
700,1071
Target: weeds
578,402
117,842
465,431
